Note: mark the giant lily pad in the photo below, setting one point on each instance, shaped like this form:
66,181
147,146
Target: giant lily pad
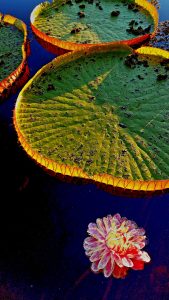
102,114
13,54
77,24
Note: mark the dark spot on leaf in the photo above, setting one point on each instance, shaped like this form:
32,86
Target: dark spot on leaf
92,98
122,125
123,107
140,77
50,87
81,14
161,77
75,30
59,77
82,6
115,13
69,2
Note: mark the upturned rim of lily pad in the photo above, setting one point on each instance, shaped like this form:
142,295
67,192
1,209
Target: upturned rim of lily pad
19,76
73,171
50,42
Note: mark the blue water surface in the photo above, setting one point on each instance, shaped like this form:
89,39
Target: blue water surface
43,220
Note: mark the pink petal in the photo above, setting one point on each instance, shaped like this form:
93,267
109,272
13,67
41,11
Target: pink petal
129,224
118,260
140,231
95,232
109,219
117,219
88,252
106,224
104,260
92,226
89,240
95,245
127,262
96,256
139,245
101,226
94,266
133,232
138,240
108,268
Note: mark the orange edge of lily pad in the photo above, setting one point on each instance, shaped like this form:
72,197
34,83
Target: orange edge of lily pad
20,75
51,165
52,41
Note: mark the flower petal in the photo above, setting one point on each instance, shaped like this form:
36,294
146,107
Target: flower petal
109,219
127,262
145,257
118,260
101,226
104,260
107,225
108,268
138,265
117,219
93,246
139,245
89,240
95,232
94,266
120,272
96,256
140,231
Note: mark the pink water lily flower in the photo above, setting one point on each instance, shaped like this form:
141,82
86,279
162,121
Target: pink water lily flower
115,245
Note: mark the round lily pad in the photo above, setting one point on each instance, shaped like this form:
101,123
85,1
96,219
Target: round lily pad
77,24
102,114
13,54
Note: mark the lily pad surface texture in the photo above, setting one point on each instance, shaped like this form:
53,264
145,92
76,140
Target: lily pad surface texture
77,24
13,54
102,114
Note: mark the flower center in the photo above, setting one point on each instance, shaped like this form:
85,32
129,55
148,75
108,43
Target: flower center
115,239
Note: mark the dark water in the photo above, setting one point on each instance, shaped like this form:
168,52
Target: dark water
43,221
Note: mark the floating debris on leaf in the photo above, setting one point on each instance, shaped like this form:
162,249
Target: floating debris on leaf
82,6
115,13
81,14
162,77
75,30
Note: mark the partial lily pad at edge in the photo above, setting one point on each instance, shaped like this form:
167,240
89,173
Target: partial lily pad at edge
13,59
100,114
80,33
161,39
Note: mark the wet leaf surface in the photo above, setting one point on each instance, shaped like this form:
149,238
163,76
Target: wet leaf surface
105,113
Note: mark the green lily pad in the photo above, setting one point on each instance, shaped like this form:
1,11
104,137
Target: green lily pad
102,111
14,50
11,40
92,21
